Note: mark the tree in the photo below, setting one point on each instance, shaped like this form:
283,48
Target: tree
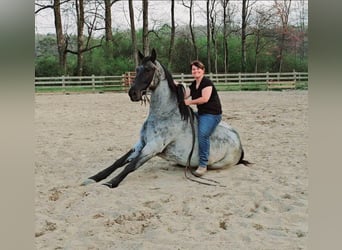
244,18
61,41
83,46
133,35
246,12
221,46
145,28
224,4
108,20
173,32
213,32
302,14
193,39
283,12
79,5
261,31
208,38
107,26
60,37
243,34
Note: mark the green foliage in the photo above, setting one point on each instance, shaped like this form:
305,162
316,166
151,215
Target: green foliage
293,62
116,57
46,45
234,47
47,66
183,55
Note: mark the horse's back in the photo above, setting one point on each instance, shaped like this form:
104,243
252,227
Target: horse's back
225,147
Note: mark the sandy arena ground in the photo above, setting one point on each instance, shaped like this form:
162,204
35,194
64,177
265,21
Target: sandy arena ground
262,207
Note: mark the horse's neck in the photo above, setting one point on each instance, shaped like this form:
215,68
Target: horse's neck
163,101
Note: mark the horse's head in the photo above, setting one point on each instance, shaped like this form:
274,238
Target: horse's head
145,76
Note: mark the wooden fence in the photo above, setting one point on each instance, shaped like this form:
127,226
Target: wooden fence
239,81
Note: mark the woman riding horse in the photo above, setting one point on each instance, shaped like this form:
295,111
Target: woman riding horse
167,132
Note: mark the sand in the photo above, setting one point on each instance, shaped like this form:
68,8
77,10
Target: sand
262,207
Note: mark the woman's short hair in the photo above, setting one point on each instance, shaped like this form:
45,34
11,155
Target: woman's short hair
198,64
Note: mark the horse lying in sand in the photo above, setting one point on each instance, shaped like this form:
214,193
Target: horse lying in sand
167,132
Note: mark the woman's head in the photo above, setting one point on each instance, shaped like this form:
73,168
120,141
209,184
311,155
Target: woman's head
197,69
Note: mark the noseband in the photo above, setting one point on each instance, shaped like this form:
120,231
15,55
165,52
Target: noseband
151,87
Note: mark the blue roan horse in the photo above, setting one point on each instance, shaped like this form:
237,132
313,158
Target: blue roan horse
167,131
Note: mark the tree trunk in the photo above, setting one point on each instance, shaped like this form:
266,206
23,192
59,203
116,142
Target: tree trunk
281,52
256,52
302,28
213,32
283,9
145,28
108,21
80,39
133,35
243,36
193,39
208,37
225,36
61,44
173,32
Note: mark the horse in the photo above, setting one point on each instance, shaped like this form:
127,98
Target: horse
170,128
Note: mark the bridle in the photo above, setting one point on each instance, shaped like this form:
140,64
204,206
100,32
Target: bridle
151,86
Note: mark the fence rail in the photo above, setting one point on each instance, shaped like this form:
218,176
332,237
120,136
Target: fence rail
238,81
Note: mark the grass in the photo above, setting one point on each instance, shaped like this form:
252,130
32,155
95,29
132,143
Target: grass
253,86
77,89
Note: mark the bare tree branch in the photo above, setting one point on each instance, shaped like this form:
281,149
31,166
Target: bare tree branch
49,6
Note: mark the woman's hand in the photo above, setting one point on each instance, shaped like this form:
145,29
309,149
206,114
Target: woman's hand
206,93
187,102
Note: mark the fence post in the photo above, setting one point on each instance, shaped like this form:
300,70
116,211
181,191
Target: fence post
131,78
267,79
182,78
239,75
123,86
93,82
295,75
63,84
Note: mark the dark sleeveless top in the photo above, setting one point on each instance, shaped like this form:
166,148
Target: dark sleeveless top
213,106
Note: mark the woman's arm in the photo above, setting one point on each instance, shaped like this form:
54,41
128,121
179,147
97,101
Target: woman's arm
206,93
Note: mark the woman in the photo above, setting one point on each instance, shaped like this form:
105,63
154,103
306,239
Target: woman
203,94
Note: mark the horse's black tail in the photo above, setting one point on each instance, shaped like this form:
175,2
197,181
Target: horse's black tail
242,161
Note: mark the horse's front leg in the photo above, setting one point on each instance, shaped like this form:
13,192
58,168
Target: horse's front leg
149,151
131,154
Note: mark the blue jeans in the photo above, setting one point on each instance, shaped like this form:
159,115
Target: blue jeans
206,126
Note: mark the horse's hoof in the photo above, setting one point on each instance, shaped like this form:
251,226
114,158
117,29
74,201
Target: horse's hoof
87,182
108,184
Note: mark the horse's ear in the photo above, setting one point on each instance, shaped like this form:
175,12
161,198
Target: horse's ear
153,55
141,56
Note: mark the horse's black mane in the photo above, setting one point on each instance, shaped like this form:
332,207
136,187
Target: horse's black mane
178,90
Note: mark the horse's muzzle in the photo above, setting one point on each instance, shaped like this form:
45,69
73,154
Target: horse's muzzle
135,95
